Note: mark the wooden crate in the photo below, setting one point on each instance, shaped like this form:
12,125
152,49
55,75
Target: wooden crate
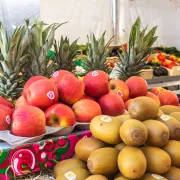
175,71
146,73
168,82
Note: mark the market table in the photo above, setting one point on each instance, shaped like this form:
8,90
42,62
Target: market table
38,156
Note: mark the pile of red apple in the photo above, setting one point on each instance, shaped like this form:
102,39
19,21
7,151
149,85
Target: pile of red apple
64,99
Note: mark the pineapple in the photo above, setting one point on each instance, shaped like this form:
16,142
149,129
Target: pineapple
97,53
65,54
41,42
12,59
139,48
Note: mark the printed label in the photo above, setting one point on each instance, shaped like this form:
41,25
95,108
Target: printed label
119,93
106,119
43,155
8,119
165,117
70,175
55,74
50,95
156,176
95,73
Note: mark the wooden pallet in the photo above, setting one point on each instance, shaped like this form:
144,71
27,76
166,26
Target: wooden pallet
169,82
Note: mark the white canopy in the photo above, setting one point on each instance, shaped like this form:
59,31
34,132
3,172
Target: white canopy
84,16
96,16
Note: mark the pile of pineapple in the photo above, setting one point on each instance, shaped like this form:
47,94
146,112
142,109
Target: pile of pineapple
25,53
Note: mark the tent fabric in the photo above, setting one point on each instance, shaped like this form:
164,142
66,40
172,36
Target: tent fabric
162,13
83,17
96,16
13,12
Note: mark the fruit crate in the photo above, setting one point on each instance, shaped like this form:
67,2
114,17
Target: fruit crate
33,157
146,73
175,71
168,82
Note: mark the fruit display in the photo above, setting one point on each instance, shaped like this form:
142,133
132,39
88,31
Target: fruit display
127,122
136,131
167,50
142,144
65,100
164,60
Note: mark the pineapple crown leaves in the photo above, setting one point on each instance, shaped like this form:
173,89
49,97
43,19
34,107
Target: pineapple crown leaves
13,59
139,48
97,53
65,53
41,42
4,42
12,49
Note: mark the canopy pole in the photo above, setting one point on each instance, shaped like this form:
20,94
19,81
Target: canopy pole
115,20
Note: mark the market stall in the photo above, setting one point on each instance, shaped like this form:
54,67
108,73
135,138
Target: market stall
90,109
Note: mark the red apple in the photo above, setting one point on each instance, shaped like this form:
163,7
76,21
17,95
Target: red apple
96,83
87,97
58,75
85,110
5,120
28,121
137,86
153,96
71,89
120,88
21,101
42,94
30,81
60,115
111,104
157,90
6,102
7,109
127,104
168,98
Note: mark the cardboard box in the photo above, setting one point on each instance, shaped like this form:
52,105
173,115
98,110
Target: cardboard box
33,157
